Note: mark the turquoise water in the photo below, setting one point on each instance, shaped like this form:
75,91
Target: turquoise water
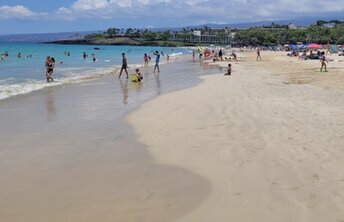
26,74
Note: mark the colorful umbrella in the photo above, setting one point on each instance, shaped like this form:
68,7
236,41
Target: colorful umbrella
314,46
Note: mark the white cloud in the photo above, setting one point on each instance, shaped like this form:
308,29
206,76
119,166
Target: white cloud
212,9
88,5
189,10
17,11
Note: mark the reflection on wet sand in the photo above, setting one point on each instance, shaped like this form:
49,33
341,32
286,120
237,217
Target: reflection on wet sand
158,83
70,167
124,88
50,103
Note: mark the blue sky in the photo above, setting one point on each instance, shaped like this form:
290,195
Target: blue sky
37,16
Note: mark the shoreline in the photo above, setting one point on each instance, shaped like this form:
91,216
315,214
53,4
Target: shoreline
67,153
271,149
94,74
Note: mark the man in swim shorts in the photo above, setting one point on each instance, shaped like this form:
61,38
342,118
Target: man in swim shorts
124,66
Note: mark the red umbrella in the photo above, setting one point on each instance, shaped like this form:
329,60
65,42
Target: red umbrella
314,46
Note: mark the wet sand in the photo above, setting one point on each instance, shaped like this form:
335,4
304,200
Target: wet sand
66,154
269,143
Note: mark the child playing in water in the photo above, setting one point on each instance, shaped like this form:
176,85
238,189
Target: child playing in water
138,75
229,70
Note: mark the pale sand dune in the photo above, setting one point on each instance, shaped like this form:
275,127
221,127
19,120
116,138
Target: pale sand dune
272,150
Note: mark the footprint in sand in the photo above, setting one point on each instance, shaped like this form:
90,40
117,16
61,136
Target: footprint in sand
312,200
146,194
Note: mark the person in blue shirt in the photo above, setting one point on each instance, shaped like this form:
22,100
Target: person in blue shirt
157,60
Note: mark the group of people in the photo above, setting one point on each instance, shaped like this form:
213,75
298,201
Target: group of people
318,55
146,59
4,55
50,64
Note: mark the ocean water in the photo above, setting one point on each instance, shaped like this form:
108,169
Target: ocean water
24,75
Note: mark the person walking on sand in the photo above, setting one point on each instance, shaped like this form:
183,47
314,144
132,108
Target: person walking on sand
323,61
124,66
258,54
157,60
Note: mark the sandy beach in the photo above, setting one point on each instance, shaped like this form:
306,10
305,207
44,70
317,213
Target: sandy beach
265,144
66,154
269,139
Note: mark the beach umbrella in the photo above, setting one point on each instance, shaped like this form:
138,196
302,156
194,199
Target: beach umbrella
314,46
302,46
292,47
207,53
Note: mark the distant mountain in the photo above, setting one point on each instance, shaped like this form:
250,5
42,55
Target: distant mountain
53,37
300,21
43,37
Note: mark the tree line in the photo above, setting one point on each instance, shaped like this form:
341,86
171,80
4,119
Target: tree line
270,35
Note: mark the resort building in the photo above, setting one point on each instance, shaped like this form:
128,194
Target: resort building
212,36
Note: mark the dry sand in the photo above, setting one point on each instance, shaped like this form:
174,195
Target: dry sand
269,138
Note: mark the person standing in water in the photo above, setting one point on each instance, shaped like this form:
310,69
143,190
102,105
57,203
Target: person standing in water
124,66
157,60
145,59
50,69
47,63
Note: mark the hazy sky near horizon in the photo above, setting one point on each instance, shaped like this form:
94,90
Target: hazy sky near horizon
37,16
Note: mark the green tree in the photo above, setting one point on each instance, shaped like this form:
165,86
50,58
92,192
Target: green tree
340,41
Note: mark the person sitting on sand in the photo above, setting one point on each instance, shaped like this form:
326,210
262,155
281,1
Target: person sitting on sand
216,58
138,75
235,57
323,61
303,56
229,70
